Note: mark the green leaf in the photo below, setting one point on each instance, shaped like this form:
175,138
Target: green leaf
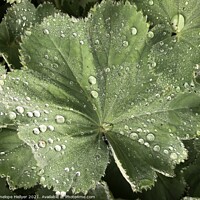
16,160
87,88
4,189
175,46
17,22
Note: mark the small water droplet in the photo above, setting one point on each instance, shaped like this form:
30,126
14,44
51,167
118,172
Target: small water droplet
156,148
166,151
66,169
173,156
46,31
51,128
62,194
134,136
57,148
78,173
42,179
29,114
27,33
125,43
43,128
20,109
12,115
81,42
151,3
150,34
94,94
134,31
36,131
150,137
59,119
141,141
42,144
36,113
50,141
178,22
92,80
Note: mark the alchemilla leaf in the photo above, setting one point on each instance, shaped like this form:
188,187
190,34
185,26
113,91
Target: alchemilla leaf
18,21
87,92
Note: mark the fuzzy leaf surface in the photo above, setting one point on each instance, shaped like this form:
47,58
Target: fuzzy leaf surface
19,18
88,83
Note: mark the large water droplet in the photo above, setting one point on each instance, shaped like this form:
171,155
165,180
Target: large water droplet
57,148
178,22
43,128
42,144
94,94
156,148
12,115
36,113
134,31
92,80
150,34
46,31
36,131
20,109
29,114
173,156
125,43
134,136
151,3
59,119
150,137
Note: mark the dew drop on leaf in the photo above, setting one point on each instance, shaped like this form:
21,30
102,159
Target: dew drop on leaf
20,109
78,173
59,119
36,131
151,3
66,169
46,31
166,151
134,31
173,156
134,136
125,43
141,141
12,115
43,128
57,148
50,141
29,114
156,148
36,113
150,34
94,94
178,22
92,80
42,144
150,137
51,128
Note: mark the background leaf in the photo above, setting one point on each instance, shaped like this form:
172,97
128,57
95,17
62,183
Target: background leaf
17,22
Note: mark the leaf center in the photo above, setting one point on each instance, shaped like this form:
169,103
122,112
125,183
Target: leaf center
105,127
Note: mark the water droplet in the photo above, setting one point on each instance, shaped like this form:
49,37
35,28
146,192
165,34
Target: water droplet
151,3
178,22
50,141
92,80
134,31
46,31
63,146
125,43
43,128
29,114
94,94
173,156
57,148
66,169
20,109
12,115
156,148
42,144
150,137
36,113
166,151
96,42
27,33
59,119
74,34
134,136
150,34
62,194
141,141
51,128
78,173
42,179
36,131
81,42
